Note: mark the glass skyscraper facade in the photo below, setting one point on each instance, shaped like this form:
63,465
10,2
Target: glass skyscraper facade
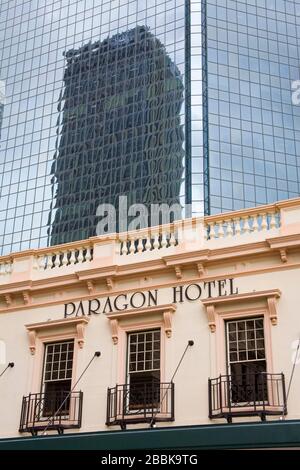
2,102
163,101
252,58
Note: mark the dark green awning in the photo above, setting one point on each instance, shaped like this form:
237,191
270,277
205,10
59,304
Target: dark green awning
221,436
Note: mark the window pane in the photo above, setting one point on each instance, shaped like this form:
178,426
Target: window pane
59,365
148,347
246,337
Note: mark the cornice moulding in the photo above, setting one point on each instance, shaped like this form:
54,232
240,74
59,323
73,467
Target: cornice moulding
15,287
284,241
206,257
269,296
97,273
154,285
56,323
141,311
242,297
165,311
77,326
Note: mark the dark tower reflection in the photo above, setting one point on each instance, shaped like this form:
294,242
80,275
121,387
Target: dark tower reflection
120,131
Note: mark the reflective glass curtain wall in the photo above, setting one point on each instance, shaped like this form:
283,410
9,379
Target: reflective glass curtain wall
196,43
2,103
253,56
95,108
159,100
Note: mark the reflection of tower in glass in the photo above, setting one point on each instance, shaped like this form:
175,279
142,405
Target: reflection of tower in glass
2,102
120,131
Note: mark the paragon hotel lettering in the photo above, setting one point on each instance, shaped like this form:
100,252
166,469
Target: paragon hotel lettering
150,298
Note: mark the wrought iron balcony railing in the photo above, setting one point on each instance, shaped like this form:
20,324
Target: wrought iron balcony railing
147,402
258,394
52,410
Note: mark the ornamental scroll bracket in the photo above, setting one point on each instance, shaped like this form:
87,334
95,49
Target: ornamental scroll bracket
114,326
272,310
54,328
266,300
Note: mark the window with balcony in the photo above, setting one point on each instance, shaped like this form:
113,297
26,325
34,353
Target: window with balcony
57,377
143,370
52,403
248,387
246,360
144,398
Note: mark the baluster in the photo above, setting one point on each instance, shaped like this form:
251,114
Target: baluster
132,246
156,242
246,225
2,270
264,222
206,228
64,260
237,226
72,259
56,259
140,246
229,230
80,256
44,262
172,239
255,226
124,249
212,232
88,254
35,263
221,230
164,241
8,268
273,223
49,262
148,245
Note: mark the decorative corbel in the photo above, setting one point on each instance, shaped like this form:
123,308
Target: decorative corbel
167,316
200,269
114,331
178,272
32,341
74,326
80,334
283,255
8,299
267,298
211,316
26,297
90,287
109,283
272,310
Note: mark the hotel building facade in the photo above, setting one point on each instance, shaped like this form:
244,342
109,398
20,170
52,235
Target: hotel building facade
197,325
196,322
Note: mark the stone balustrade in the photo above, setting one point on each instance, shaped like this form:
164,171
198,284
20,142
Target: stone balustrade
60,257
150,239
212,232
242,222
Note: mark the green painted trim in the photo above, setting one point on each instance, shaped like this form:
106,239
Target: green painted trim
220,436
